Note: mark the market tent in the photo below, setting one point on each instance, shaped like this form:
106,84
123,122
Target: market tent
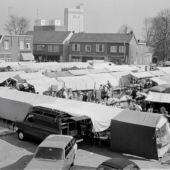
120,68
27,57
141,75
16,104
78,82
122,77
166,78
100,115
158,97
9,75
159,81
29,76
137,134
69,65
57,74
163,88
157,73
103,78
87,71
43,84
165,69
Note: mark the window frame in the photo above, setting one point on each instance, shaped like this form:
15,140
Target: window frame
115,50
76,47
88,48
122,49
98,48
6,44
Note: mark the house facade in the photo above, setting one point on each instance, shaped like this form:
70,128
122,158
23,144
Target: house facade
117,48
51,45
16,47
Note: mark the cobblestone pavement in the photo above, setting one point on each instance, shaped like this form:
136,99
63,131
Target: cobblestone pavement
16,154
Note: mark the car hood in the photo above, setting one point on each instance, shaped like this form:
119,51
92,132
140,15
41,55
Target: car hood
45,164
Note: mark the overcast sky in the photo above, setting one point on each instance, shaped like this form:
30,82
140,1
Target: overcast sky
100,15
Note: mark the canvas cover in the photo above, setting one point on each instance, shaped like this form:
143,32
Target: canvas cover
158,97
134,132
77,82
100,115
16,104
141,75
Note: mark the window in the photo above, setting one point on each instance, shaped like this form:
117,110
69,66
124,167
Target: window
6,45
50,48
28,46
99,47
40,47
75,47
56,48
21,45
122,49
49,153
87,48
113,49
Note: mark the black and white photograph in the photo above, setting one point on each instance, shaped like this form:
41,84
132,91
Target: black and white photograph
84,84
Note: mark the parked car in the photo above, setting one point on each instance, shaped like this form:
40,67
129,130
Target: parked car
119,163
54,152
41,122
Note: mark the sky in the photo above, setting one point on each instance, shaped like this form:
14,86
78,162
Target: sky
100,16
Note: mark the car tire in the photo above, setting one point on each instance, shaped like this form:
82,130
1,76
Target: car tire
21,135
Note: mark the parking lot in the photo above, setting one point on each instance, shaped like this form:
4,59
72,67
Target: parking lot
16,154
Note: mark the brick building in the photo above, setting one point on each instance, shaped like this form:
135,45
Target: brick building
51,45
16,47
117,48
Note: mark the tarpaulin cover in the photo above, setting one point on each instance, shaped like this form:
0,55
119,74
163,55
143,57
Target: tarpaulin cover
100,115
6,75
88,71
157,80
140,75
134,133
43,84
163,88
103,78
58,74
77,82
27,56
157,73
158,97
16,104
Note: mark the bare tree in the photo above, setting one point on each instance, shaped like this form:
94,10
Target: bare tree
148,31
125,29
17,25
161,25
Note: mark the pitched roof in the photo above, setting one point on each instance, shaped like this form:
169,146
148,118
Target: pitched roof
50,37
101,37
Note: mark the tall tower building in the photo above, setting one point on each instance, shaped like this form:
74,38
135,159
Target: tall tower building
74,19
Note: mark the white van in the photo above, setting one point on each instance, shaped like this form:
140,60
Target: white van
54,152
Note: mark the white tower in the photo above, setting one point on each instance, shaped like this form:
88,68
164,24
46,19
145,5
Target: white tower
74,19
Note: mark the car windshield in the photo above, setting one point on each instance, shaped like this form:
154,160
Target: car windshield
49,153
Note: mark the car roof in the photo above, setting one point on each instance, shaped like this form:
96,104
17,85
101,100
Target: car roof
57,141
118,162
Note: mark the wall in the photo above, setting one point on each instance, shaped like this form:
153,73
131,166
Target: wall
132,51
14,46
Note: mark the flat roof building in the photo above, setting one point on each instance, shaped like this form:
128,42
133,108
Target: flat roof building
74,19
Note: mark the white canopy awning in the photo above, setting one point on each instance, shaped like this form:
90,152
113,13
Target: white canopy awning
141,75
159,81
158,97
27,57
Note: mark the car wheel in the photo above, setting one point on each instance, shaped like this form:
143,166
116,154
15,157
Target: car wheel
21,135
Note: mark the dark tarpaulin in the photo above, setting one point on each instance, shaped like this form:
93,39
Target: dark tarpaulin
134,133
